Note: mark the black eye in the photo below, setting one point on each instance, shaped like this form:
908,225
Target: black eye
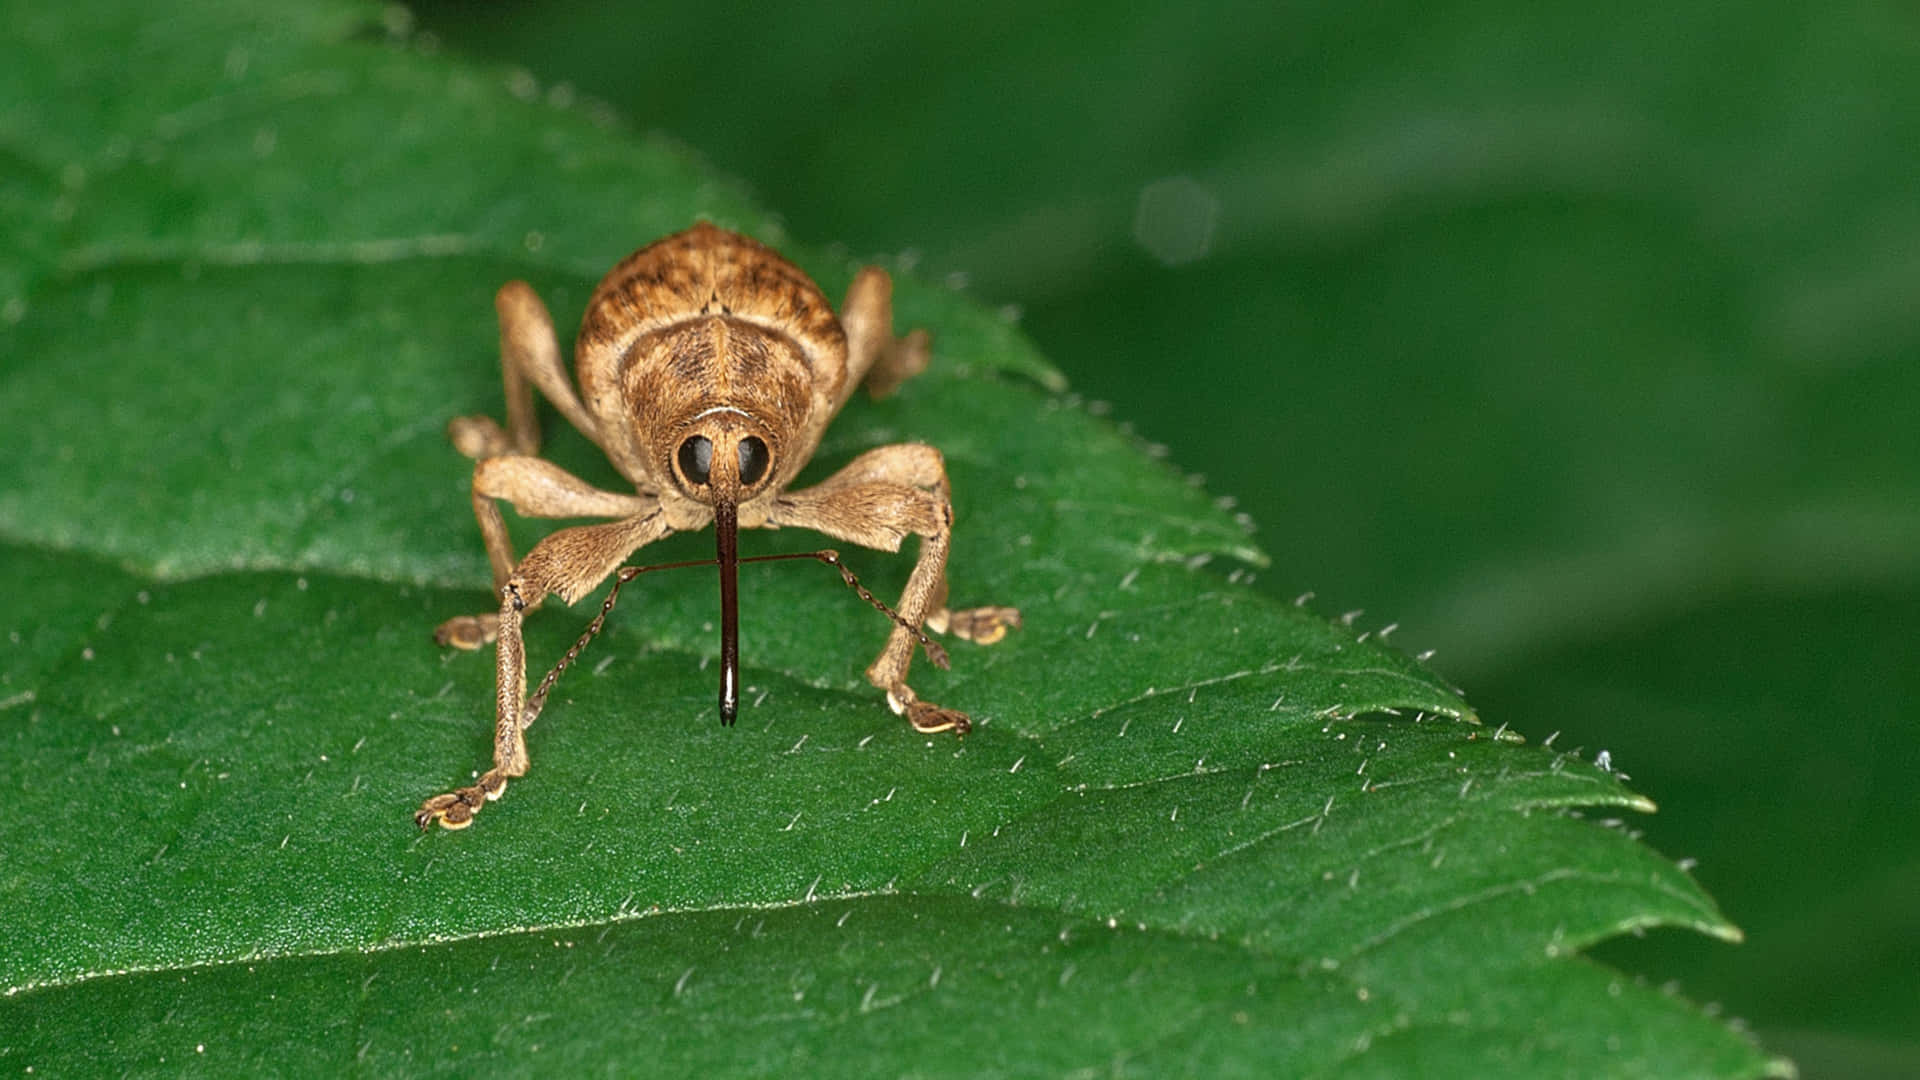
696,459
753,461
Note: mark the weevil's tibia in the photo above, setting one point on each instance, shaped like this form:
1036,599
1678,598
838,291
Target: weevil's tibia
456,808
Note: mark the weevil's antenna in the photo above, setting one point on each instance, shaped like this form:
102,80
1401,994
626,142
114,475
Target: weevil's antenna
936,655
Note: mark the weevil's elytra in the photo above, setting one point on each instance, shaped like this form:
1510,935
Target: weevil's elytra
708,369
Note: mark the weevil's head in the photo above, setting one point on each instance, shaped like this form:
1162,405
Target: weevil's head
723,455
713,405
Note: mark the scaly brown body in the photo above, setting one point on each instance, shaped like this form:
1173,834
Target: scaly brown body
708,369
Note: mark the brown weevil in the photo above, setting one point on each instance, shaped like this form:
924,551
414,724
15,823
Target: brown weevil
708,368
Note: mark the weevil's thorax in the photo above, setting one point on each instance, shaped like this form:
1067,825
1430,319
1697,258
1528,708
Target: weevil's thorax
709,334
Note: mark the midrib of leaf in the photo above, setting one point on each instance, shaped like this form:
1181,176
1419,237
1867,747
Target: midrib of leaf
391,945
978,897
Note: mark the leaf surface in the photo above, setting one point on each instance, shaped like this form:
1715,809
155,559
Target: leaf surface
1194,830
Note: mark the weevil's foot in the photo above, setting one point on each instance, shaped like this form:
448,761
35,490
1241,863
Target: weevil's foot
468,631
926,717
981,625
455,809
905,358
478,437
930,719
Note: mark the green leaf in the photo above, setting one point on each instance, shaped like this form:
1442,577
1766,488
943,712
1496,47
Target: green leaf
1194,830
1582,335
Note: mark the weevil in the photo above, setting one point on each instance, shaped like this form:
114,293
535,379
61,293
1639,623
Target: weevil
708,368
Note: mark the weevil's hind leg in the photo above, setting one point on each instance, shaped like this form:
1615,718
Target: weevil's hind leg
523,346
874,355
877,500
529,358
569,564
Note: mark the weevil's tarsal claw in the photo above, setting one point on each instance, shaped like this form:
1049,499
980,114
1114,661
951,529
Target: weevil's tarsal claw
930,719
455,809
478,437
926,717
468,631
448,810
981,625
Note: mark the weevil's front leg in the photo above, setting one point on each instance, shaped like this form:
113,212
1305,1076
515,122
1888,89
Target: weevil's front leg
536,488
568,564
877,501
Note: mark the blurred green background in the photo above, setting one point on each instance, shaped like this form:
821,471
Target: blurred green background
1582,342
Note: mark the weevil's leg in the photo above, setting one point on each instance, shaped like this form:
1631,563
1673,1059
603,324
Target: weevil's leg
536,488
568,564
980,625
874,355
529,357
879,499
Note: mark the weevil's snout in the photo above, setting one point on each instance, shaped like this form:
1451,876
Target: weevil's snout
723,460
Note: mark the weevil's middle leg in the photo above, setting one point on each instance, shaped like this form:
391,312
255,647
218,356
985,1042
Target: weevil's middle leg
529,358
877,500
980,625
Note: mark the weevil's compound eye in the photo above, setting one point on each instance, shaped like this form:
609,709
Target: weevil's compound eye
696,459
753,461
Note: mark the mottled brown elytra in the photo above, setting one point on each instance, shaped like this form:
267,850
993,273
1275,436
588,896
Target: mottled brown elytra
708,368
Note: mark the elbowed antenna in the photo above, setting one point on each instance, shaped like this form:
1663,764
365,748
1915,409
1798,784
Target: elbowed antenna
538,700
